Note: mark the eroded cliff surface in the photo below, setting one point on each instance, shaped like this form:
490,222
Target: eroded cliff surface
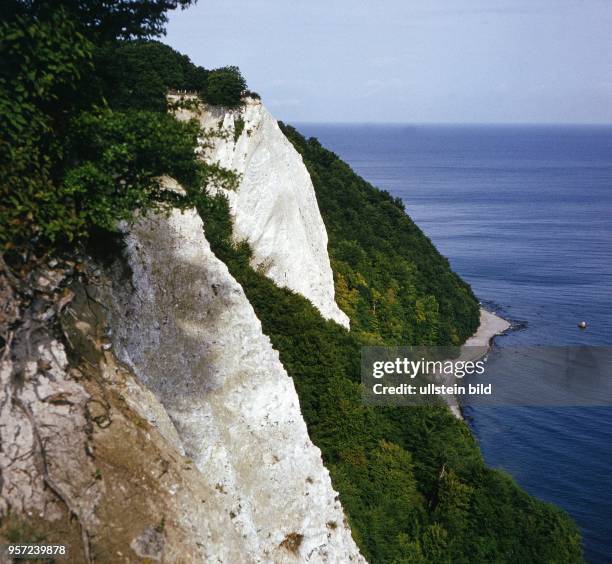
146,416
274,206
89,457
187,330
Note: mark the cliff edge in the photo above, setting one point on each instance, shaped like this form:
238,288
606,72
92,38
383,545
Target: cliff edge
187,330
274,207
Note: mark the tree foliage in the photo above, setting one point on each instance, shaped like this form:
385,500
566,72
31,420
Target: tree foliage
411,480
101,19
121,157
389,278
85,131
138,74
225,87
41,67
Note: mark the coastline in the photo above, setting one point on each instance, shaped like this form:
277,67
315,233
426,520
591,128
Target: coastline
490,326
477,346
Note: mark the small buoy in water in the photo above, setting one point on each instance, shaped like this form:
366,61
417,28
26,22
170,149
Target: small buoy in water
582,325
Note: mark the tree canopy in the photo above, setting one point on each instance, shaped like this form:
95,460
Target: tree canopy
226,87
140,73
69,81
101,19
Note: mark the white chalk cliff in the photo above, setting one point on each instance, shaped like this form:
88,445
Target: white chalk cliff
186,329
274,207
148,412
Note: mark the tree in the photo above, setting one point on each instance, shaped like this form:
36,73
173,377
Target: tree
68,165
104,20
41,66
225,87
138,74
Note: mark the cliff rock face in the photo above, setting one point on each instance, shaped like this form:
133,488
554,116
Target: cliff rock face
186,329
144,414
89,457
274,207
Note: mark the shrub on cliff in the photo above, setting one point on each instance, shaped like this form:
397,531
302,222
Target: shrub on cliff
69,163
119,157
225,87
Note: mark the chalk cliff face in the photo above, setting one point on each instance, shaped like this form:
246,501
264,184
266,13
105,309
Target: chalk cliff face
90,458
186,329
148,415
274,207
144,411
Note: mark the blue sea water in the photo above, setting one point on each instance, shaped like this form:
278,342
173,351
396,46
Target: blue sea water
524,214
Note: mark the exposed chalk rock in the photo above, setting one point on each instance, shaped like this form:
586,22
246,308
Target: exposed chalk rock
43,461
89,457
274,207
187,330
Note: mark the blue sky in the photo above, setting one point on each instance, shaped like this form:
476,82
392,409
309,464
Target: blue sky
415,61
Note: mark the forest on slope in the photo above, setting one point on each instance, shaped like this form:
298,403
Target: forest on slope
86,134
390,279
412,480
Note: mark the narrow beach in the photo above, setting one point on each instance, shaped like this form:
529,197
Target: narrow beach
490,326
479,343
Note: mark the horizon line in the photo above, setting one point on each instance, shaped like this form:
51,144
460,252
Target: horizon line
455,123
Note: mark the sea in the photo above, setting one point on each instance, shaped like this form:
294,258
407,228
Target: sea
524,214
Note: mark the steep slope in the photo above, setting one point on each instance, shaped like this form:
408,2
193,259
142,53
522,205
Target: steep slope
185,327
89,458
274,207
390,279
412,481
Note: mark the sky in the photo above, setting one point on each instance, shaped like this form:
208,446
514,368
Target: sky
411,61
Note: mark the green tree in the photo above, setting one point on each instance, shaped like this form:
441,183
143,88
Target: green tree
68,164
121,157
225,87
101,19
138,74
41,67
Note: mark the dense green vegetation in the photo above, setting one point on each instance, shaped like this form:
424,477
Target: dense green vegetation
225,87
411,480
85,133
85,136
138,74
101,20
390,279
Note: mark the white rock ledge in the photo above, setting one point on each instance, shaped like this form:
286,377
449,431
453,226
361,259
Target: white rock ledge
187,330
275,207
